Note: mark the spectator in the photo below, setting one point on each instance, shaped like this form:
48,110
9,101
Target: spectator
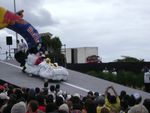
76,103
52,91
19,108
76,111
37,90
32,107
104,110
92,103
90,106
146,103
10,103
112,101
59,100
2,88
113,110
122,94
20,55
49,98
64,107
147,81
138,108
124,98
51,108
96,94
23,46
101,105
19,93
45,89
57,89
3,100
90,95
41,101
19,45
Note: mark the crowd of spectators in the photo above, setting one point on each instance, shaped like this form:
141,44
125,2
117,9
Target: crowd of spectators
51,99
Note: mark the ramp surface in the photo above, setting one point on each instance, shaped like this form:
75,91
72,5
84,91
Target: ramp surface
76,83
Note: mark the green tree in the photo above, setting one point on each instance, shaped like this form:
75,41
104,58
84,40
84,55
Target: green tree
56,45
129,59
53,46
46,40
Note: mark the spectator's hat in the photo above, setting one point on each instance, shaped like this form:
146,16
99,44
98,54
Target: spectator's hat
68,97
77,95
137,98
100,100
138,109
3,96
19,108
60,92
64,107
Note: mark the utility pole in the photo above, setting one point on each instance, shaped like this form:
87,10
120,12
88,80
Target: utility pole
16,32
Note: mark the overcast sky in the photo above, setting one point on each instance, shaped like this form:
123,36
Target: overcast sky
117,27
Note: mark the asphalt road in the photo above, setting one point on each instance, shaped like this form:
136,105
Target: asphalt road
76,83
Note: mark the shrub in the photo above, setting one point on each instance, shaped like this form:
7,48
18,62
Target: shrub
123,77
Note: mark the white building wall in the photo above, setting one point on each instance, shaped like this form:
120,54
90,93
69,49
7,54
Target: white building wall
82,53
68,55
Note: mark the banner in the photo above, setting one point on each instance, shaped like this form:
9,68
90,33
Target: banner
18,24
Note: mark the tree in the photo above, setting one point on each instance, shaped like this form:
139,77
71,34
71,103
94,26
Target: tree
53,46
129,59
56,45
46,40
